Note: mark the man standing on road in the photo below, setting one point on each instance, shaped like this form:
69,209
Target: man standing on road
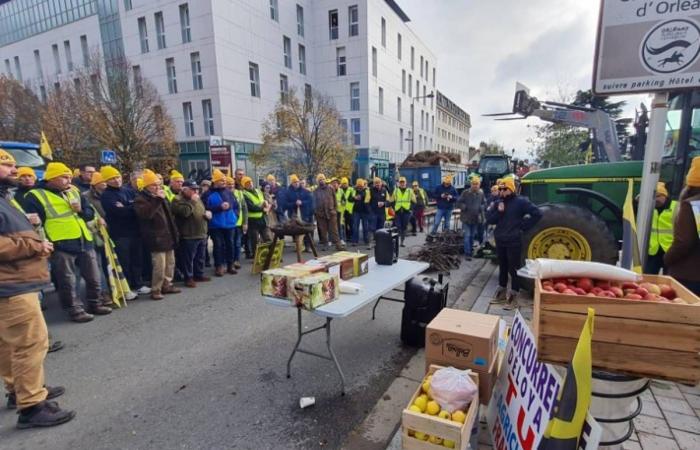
158,228
361,214
417,219
257,209
661,234
191,218
122,222
471,205
403,198
222,204
325,210
446,196
298,203
512,215
64,213
82,182
378,202
23,335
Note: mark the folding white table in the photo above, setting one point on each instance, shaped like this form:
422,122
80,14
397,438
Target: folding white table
378,281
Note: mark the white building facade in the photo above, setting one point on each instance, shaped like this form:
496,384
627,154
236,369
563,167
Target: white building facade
452,128
220,66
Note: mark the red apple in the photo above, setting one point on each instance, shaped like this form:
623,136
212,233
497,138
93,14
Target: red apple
560,287
560,280
603,284
667,291
547,283
633,297
617,292
642,292
548,288
651,287
579,291
596,290
569,292
585,283
607,293
591,294
629,285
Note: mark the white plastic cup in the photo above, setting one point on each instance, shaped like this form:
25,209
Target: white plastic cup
305,402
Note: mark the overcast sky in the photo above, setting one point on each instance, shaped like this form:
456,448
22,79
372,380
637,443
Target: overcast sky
484,46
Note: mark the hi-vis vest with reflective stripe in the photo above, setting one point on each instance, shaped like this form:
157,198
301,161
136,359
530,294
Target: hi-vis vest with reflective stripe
341,199
62,223
349,193
239,197
402,200
662,229
169,194
257,198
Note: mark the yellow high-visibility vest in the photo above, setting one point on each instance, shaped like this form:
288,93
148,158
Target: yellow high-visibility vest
257,198
349,193
661,234
169,194
62,223
239,197
403,199
341,200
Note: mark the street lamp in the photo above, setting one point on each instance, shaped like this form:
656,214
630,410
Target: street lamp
413,117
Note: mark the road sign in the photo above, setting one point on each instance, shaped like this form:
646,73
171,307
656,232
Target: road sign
108,157
647,46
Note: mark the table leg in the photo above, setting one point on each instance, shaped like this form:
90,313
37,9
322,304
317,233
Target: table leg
296,346
335,359
297,246
269,254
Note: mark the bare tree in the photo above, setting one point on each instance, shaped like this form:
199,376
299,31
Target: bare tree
19,112
305,136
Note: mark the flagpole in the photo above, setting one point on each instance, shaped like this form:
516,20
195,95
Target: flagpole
652,167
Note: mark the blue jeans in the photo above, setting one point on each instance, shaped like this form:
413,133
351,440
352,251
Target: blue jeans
439,215
223,246
237,243
377,220
191,257
401,219
471,232
357,219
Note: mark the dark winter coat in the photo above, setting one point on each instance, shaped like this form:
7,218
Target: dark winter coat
376,196
290,197
683,257
325,201
121,220
519,215
471,206
443,202
156,221
189,217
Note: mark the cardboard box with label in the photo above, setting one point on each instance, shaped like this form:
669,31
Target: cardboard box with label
352,264
465,340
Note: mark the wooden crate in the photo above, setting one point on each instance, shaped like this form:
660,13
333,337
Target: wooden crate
642,338
435,426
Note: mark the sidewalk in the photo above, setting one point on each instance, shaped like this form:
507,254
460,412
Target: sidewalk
670,417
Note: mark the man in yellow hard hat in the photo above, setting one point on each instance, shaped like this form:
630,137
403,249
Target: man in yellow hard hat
661,233
378,203
472,206
27,181
224,206
23,335
174,186
159,229
342,193
361,212
403,199
257,208
122,222
64,213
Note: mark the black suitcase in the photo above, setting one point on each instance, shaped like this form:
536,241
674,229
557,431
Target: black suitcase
424,298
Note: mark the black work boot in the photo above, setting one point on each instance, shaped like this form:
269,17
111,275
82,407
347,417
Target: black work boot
98,309
53,392
80,316
44,414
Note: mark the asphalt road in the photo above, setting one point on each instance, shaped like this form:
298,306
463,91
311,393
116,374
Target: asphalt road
206,370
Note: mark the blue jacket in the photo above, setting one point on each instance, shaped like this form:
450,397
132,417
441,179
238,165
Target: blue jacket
290,197
121,221
213,199
443,203
519,215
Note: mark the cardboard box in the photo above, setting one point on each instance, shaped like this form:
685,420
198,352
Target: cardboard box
313,291
310,268
353,264
462,339
329,265
278,282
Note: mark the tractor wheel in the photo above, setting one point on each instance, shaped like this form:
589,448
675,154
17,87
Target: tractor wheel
569,232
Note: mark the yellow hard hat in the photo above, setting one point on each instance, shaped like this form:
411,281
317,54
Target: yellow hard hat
6,157
109,172
361,182
320,177
270,178
293,178
217,175
447,179
693,177
661,189
414,184
57,169
246,180
344,180
509,183
402,179
149,178
230,180
177,176
22,171
96,179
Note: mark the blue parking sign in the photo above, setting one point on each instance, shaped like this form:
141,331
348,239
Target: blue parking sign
108,157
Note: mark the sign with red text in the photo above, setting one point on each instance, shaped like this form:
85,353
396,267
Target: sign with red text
525,395
221,158
646,46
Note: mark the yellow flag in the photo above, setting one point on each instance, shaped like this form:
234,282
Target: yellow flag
45,148
566,425
630,249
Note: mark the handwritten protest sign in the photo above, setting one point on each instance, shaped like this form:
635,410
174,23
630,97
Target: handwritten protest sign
525,395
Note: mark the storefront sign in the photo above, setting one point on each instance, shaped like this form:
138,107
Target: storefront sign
525,395
221,158
647,45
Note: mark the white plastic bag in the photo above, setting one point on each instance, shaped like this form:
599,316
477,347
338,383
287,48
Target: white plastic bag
556,268
453,389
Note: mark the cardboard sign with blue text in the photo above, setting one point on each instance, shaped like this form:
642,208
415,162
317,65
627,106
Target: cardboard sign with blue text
525,395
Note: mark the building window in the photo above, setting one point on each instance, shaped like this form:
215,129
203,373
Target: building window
254,74
381,100
308,95
398,109
403,81
196,64
37,63
401,139
138,80
56,58
42,93
8,68
172,76
354,96
143,34
374,62
425,96
383,32
85,49
410,85
69,56
185,23
427,76
433,78
422,120
421,66
127,5
208,114
160,29
189,119
356,133
413,58
284,87
399,45
417,88
353,21
302,59
287,49
18,68
341,69
344,126
412,114
274,10
300,20
333,24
